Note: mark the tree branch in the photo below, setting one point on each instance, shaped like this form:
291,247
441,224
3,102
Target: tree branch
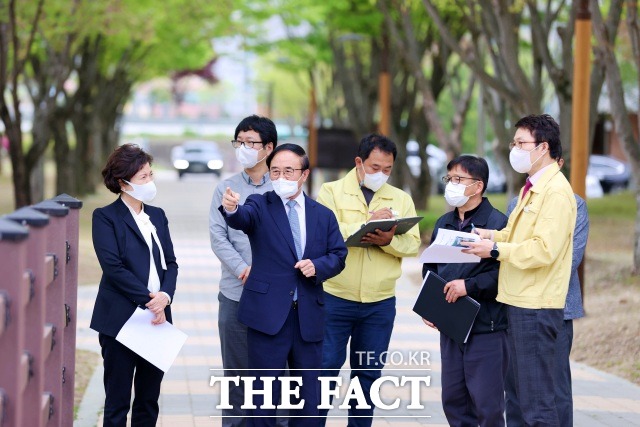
487,79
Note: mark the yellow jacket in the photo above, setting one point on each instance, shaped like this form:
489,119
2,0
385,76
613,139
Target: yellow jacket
536,245
370,274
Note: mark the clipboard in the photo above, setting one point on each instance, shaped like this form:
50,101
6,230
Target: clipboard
455,320
404,225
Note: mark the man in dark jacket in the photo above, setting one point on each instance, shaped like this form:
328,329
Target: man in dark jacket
472,373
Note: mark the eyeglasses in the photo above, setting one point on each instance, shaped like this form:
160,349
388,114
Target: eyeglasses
456,179
286,172
518,144
249,144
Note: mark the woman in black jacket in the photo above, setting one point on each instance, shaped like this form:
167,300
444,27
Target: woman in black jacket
139,269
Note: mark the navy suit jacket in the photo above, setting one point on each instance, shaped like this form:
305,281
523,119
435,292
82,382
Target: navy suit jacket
124,257
268,292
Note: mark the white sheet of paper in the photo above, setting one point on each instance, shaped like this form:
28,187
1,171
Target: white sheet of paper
445,248
158,344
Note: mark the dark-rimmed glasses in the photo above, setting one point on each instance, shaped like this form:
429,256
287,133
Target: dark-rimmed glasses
249,144
518,144
286,172
456,179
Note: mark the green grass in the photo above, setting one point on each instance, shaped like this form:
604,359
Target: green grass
615,206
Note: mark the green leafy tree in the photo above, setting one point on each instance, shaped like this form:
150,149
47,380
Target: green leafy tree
517,50
606,52
18,26
87,58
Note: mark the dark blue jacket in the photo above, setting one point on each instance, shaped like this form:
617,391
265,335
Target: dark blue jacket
268,292
124,257
481,279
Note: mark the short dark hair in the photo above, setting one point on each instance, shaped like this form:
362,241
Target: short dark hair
544,129
374,140
294,148
264,126
124,163
475,166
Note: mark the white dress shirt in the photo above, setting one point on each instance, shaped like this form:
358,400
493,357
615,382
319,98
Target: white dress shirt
536,176
148,231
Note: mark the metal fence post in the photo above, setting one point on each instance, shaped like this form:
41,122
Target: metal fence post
71,303
12,379
54,307
34,311
38,304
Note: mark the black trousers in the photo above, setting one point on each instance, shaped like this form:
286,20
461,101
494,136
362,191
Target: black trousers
122,369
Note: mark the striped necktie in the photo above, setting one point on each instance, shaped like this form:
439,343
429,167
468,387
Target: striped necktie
294,222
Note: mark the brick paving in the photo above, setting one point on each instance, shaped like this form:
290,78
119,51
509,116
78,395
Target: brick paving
187,399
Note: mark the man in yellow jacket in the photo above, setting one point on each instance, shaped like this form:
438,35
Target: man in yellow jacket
535,250
360,302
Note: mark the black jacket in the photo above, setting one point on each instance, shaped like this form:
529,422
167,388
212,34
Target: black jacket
124,257
481,279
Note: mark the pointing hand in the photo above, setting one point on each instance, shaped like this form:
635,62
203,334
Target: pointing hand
230,200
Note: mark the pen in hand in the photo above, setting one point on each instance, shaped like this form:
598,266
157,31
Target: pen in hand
473,229
394,214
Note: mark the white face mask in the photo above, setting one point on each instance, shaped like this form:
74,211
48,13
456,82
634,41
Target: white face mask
143,192
373,181
285,188
521,159
454,194
248,157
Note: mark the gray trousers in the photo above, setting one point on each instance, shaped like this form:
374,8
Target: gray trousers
233,345
564,397
235,357
533,340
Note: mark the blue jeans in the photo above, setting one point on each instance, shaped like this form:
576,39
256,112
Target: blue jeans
533,336
369,326
562,379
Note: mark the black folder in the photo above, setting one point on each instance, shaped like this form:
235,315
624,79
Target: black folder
455,320
404,225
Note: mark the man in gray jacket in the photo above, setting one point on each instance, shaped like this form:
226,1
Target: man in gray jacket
254,139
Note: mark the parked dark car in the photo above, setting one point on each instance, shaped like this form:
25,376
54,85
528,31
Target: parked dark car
613,174
197,157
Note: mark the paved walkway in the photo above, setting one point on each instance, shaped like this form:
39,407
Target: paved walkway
187,399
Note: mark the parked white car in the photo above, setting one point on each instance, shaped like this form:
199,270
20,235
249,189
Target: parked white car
197,157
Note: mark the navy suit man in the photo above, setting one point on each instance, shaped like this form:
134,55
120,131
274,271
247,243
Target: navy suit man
296,245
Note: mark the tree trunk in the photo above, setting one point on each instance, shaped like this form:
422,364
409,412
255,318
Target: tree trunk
40,135
84,152
62,153
16,40
564,120
499,114
21,179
